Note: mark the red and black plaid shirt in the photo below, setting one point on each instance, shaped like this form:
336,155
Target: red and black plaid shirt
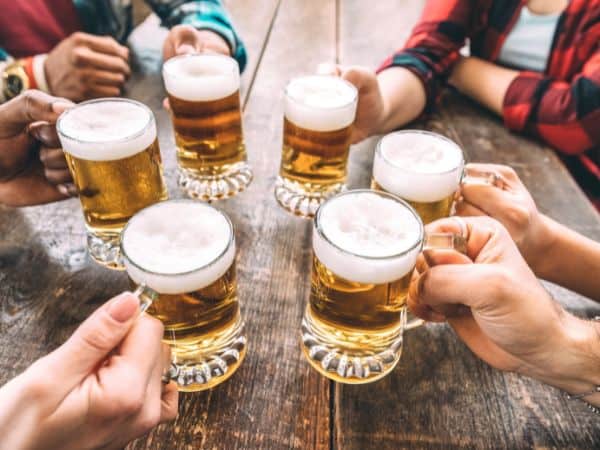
561,105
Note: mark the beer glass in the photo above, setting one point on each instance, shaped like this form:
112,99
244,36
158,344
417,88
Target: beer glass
319,111
183,252
365,247
204,98
113,155
423,168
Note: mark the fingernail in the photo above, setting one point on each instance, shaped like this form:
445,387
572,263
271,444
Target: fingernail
61,106
123,307
63,190
184,49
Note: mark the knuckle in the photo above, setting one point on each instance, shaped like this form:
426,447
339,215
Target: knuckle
130,403
78,36
150,419
78,55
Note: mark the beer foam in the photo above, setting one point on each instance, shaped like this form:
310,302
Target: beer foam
320,102
178,246
201,77
367,237
418,166
106,129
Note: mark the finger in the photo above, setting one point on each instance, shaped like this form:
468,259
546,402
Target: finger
68,190
98,336
84,56
98,91
45,133
58,176
104,77
504,171
464,209
28,189
166,104
458,284
487,198
185,40
358,76
103,44
151,412
143,345
479,231
169,403
53,158
31,106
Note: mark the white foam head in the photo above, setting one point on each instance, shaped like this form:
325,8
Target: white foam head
201,78
178,246
106,129
320,102
418,166
367,237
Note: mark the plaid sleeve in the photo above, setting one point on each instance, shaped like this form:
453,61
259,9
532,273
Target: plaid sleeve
201,14
565,115
433,47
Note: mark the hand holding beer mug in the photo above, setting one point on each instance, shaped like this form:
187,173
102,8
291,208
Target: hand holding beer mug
319,113
113,154
204,99
183,252
365,246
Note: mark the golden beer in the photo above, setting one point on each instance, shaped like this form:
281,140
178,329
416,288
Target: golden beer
428,211
365,247
187,264
204,99
317,129
113,155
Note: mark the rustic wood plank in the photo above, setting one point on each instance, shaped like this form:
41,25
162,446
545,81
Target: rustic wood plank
441,396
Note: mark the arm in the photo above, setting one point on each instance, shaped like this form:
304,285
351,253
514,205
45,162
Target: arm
569,260
562,114
202,15
433,47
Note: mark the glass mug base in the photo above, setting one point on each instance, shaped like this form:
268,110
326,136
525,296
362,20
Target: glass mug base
104,248
350,357
215,187
196,369
294,198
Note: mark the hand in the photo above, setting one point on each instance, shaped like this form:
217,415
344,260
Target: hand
370,111
100,389
185,39
33,168
509,202
84,66
499,309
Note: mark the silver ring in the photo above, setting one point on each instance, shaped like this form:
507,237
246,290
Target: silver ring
165,378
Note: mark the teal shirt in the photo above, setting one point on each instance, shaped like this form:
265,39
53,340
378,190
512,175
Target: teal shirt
528,45
114,18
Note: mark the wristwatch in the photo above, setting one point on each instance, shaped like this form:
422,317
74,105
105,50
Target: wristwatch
14,80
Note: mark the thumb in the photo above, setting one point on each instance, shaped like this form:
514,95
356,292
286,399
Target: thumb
185,40
95,339
29,107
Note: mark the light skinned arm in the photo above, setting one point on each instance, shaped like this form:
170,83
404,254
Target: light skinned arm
498,308
483,81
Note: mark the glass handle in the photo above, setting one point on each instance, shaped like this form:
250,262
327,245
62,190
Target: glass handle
480,177
146,295
450,241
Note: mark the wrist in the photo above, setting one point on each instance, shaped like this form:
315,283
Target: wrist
540,255
574,364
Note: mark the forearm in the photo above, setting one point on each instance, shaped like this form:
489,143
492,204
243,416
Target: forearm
569,259
484,82
17,415
574,363
403,98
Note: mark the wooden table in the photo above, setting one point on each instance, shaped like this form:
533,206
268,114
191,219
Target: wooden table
440,396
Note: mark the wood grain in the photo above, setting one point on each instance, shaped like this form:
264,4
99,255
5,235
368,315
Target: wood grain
441,395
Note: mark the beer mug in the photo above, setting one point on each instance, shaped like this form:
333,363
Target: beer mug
204,99
319,111
423,168
183,254
365,247
113,155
